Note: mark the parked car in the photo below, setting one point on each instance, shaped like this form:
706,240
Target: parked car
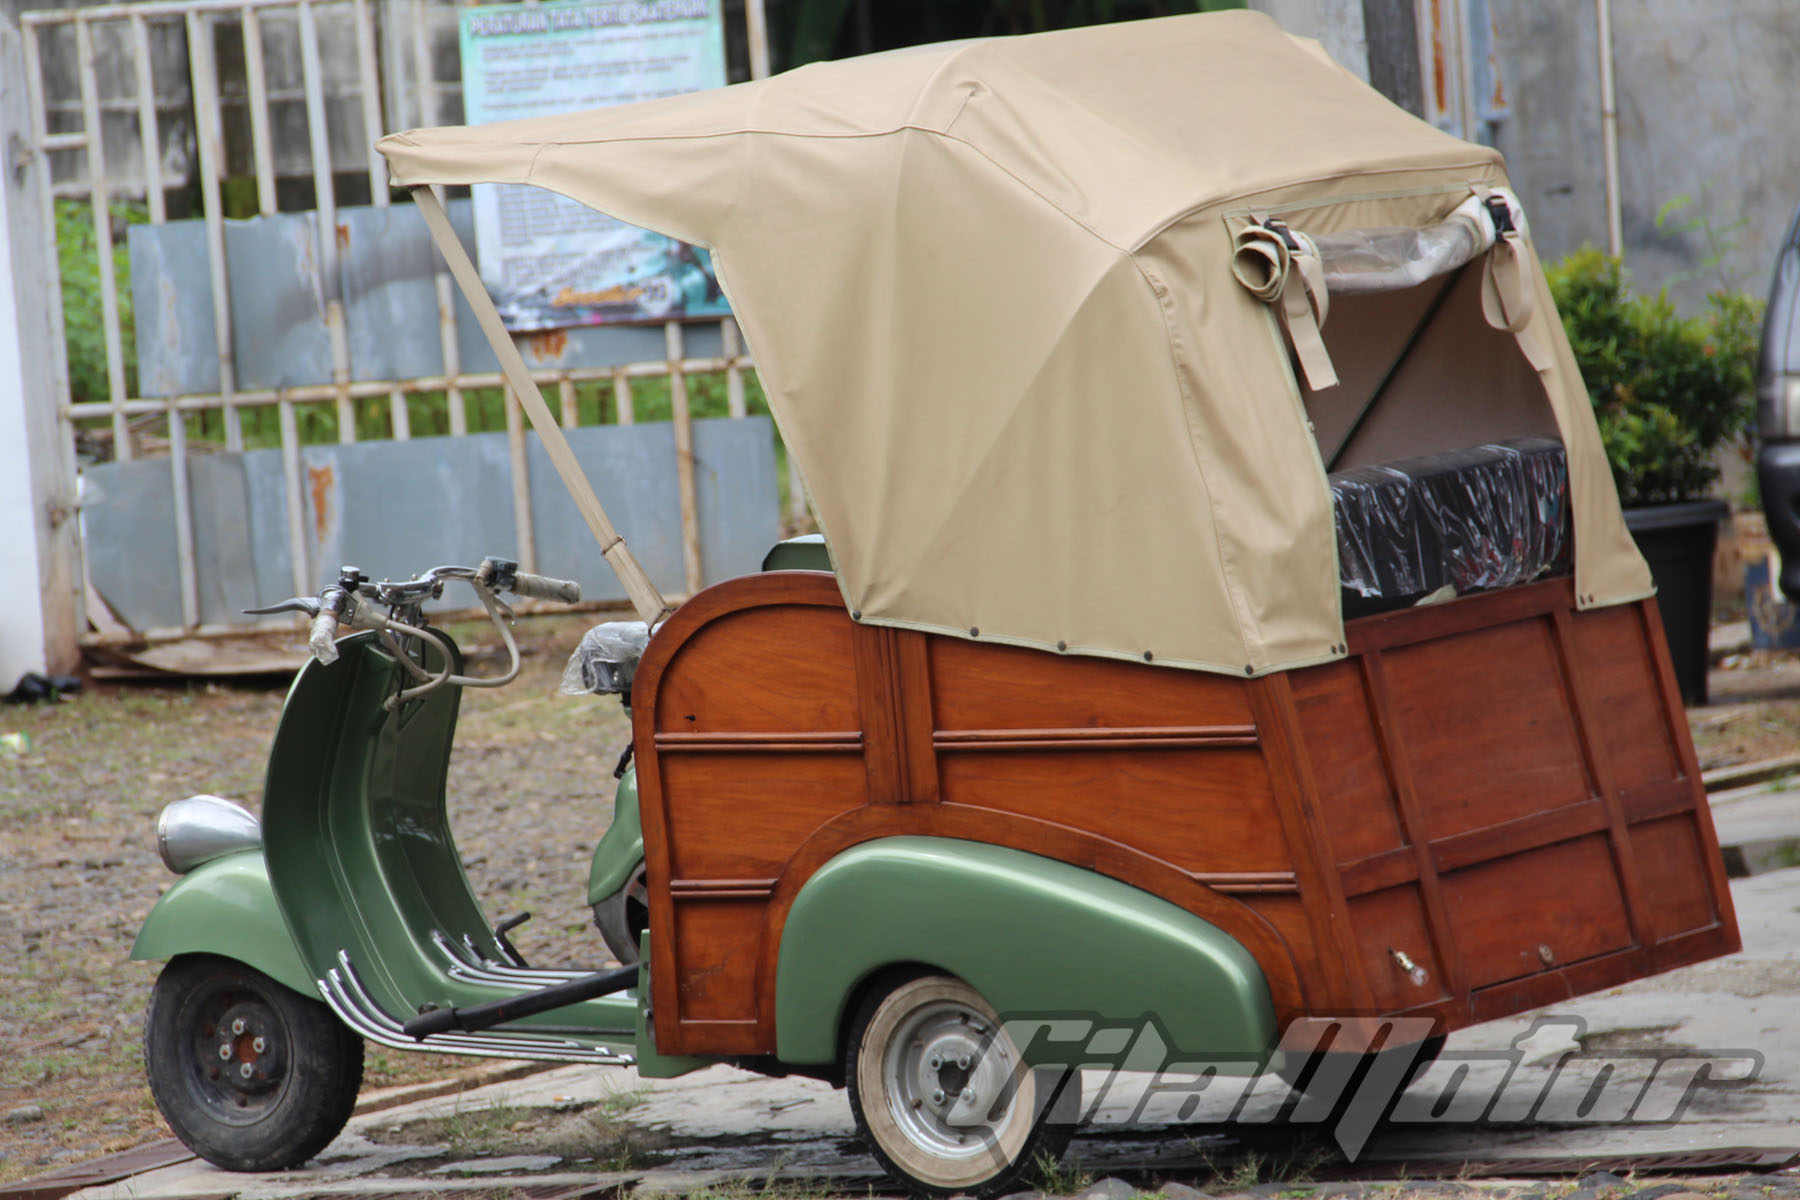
1778,410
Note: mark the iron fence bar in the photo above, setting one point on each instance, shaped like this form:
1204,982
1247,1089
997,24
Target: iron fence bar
325,201
64,141
149,131
184,520
568,402
151,9
425,79
523,528
684,457
625,413
369,81
325,392
34,77
732,345
262,152
756,30
211,141
103,238
295,496
452,352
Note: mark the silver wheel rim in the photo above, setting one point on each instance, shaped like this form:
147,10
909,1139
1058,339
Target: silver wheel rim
940,1086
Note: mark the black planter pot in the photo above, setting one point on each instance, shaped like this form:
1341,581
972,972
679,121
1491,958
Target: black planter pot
1678,541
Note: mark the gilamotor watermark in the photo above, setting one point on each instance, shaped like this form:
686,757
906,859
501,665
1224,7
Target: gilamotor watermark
1371,1070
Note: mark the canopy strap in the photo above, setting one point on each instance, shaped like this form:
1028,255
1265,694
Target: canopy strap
1508,285
1282,267
650,605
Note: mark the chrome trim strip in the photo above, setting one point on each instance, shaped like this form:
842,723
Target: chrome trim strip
470,967
346,996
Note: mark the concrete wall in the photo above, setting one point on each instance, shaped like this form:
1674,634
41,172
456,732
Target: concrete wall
1706,110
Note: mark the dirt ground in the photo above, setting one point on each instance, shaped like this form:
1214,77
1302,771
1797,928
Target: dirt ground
530,793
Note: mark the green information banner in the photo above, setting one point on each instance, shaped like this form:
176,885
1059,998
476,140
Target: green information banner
548,261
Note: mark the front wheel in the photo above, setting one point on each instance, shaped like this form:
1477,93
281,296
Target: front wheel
250,1074
942,1097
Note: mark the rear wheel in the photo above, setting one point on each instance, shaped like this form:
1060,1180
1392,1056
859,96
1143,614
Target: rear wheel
942,1097
251,1075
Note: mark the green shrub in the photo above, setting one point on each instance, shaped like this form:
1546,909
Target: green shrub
1668,391
77,251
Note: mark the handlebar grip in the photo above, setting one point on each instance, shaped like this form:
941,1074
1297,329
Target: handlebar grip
323,639
542,587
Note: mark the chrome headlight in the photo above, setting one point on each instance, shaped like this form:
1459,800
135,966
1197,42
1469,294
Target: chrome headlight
201,828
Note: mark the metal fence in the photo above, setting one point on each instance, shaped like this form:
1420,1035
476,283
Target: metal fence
363,66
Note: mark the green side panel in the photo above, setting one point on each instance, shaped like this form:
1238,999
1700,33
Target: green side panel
650,1063
621,847
1033,935
226,907
807,552
359,846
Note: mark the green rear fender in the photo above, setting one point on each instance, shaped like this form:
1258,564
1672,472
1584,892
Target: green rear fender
226,907
1033,935
621,847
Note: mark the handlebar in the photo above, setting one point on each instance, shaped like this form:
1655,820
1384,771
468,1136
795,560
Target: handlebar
354,601
323,639
542,587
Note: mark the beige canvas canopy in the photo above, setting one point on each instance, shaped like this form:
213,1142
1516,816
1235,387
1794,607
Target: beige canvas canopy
990,290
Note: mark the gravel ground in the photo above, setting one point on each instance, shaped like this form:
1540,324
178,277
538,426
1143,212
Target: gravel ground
78,857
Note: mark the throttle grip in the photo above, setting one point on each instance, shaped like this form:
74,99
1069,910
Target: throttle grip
542,587
323,639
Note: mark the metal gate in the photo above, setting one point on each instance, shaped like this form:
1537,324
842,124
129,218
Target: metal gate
274,97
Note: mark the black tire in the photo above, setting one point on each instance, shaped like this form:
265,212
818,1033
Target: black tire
251,1075
905,1099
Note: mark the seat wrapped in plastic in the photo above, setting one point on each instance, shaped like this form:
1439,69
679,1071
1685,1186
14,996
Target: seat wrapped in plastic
1484,517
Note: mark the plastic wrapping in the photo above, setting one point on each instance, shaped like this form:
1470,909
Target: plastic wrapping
1384,260
606,659
1488,516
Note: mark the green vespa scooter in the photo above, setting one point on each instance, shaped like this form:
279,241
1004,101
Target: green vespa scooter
346,913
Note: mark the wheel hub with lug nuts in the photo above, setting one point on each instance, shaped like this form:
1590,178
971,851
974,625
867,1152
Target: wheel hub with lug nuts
250,1055
952,1078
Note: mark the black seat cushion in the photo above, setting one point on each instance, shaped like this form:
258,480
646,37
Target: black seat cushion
1484,517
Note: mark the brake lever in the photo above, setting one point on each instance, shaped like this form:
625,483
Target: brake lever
299,604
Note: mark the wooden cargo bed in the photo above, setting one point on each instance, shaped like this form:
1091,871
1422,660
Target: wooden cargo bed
1500,790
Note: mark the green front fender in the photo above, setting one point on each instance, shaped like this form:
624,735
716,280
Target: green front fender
226,907
621,848
1031,934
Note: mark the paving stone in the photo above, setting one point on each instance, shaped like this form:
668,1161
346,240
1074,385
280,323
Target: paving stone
1110,1188
1180,1191
24,1113
499,1166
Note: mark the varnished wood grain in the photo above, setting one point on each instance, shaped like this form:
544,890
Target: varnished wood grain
1453,789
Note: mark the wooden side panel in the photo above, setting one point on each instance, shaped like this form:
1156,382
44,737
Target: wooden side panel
1488,725
978,686
1355,793
1513,803
1202,810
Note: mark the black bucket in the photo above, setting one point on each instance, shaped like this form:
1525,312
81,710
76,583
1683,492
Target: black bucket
1678,541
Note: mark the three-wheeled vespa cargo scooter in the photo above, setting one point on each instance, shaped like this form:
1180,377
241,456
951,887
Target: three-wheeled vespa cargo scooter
1224,615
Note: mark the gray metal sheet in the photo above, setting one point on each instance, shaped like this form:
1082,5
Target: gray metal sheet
128,528
171,302
387,275
278,330
397,508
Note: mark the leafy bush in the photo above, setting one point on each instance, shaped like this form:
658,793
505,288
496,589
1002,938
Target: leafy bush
1669,391
78,255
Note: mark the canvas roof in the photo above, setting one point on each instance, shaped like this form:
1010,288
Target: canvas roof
988,286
